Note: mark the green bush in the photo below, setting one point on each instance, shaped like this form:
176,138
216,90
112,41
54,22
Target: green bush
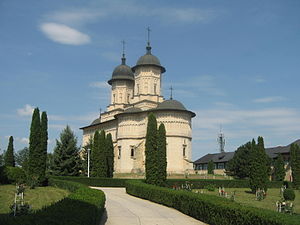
289,194
207,208
84,206
15,175
210,187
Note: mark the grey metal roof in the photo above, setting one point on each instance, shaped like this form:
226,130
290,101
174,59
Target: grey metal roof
133,110
149,60
216,157
122,72
171,104
96,121
226,156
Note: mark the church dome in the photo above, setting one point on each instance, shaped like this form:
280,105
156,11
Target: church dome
148,60
122,72
171,104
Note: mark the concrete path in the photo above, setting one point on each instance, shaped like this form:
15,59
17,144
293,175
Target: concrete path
124,209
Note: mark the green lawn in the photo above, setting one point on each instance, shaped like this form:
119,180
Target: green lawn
37,198
244,197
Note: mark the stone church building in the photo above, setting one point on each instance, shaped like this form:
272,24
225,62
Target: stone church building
135,92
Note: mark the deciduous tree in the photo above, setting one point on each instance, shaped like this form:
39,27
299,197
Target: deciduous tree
295,164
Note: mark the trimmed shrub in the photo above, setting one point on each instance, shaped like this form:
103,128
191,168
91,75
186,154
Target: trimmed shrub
207,208
289,194
84,206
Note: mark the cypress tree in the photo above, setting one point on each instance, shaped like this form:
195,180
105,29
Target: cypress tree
162,155
210,167
9,158
110,155
151,150
34,148
99,155
95,154
44,144
295,164
279,170
66,160
259,169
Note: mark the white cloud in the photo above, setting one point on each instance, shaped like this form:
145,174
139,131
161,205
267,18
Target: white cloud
63,34
27,110
132,9
99,84
269,99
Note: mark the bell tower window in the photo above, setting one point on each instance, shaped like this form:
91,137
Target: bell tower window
155,89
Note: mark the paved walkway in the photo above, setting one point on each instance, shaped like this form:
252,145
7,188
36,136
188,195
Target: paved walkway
124,209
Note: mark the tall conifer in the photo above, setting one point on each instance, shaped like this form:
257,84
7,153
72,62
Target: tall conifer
259,168
295,164
44,145
110,155
99,158
151,150
35,147
279,170
9,158
66,160
162,155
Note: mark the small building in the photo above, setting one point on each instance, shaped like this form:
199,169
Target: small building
220,159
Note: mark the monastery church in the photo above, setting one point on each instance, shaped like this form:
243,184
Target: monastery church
135,92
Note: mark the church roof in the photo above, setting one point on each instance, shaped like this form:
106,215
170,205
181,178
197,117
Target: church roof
122,72
133,110
171,104
148,60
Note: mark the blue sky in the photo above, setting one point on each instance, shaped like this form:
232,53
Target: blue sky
234,63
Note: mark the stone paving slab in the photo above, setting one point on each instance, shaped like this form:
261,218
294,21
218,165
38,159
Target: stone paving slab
124,209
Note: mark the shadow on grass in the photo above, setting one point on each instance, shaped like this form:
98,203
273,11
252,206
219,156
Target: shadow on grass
64,212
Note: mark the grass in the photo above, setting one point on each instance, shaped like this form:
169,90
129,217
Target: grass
36,198
243,196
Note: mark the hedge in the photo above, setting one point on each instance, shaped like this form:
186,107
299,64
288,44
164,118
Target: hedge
97,182
207,208
83,206
197,183
202,183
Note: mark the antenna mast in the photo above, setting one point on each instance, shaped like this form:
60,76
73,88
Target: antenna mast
221,141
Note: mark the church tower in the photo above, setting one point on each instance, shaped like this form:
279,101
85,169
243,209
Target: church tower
122,85
148,78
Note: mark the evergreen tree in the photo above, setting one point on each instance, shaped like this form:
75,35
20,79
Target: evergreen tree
9,158
22,158
44,144
279,170
295,164
259,168
151,150
66,160
99,155
239,165
210,167
109,155
1,159
162,155
34,149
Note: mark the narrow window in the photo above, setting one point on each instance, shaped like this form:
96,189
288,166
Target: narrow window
114,98
184,151
120,97
138,88
119,152
128,96
155,89
132,152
